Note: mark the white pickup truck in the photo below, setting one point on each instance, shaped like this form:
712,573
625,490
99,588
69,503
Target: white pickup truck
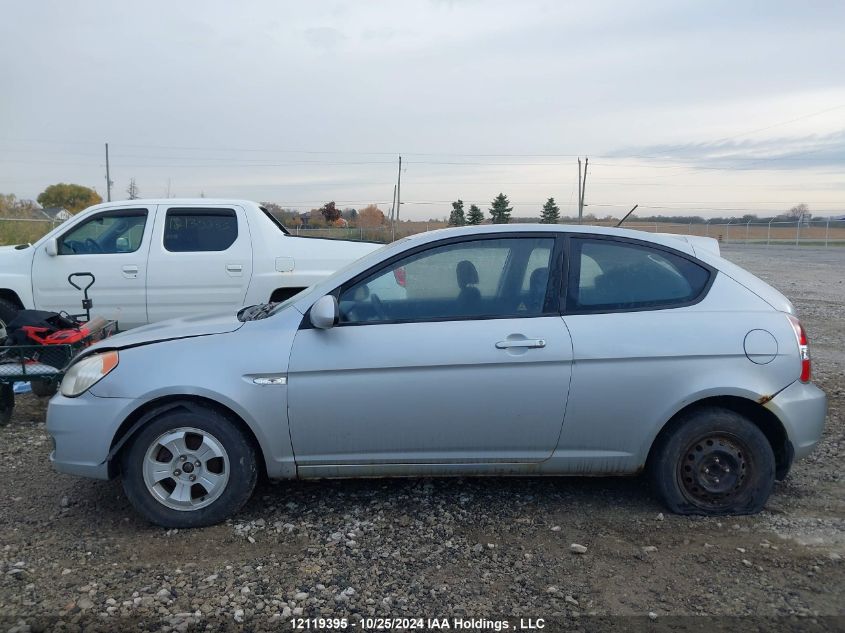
159,259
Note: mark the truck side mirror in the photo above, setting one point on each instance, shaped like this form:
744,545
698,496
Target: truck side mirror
325,313
52,247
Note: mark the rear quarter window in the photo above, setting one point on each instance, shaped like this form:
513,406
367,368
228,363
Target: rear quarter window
607,275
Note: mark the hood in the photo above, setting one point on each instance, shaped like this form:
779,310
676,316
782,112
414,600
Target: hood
14,248
196,325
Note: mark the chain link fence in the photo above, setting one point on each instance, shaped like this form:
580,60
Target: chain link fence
822,232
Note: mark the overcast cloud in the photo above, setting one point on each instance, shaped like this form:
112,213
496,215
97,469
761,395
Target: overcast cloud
680,105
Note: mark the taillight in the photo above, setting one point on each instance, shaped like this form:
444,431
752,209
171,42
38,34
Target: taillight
803,347
399,274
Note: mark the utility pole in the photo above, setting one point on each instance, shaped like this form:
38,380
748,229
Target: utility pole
108,177
399,190
393,217
580,199
582,188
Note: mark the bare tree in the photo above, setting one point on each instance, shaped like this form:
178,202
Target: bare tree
132,190
798,211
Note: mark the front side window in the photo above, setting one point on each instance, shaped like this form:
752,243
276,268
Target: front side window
198,230
108,233
606,275
485,278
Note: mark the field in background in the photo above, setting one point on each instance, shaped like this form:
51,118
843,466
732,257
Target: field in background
821,232
818,232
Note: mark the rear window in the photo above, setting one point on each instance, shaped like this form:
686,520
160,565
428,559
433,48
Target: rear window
198,230
606,275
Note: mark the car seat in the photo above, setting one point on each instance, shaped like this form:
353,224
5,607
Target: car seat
537,284
469,297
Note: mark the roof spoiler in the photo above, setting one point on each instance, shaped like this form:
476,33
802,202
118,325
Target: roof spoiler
698,242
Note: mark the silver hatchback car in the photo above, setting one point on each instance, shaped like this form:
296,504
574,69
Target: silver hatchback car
511,350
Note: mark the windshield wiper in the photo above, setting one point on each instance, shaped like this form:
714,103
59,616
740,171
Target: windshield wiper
258,311
264,310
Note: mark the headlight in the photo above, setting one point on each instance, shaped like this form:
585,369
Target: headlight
87,373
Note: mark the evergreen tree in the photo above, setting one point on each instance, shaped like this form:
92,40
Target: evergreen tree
475,216
551,212
456,218
500,209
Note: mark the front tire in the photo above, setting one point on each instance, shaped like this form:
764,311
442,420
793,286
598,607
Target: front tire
713,461
7,403
189,467
8,311
44,388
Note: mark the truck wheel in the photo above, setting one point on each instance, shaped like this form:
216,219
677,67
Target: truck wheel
714,461
7,403
44,388
8,311
189,468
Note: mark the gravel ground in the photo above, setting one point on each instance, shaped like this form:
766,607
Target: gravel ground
74,554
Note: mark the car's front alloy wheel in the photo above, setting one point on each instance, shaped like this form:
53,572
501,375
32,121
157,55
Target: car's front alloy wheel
189,467
713,461
186,468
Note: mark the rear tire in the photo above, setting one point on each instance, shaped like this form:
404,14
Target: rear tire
189,467
713,461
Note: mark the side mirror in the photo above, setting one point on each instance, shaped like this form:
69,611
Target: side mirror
52,247
325,313
122,245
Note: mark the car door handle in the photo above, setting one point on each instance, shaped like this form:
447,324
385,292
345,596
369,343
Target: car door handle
130,272
235,269
525,342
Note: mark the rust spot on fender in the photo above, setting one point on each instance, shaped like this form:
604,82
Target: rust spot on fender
764,399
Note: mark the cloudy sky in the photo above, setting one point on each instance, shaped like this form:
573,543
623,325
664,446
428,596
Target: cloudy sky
707,108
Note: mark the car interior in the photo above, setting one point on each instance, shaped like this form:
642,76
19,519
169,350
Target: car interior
462,282
613,276
104,235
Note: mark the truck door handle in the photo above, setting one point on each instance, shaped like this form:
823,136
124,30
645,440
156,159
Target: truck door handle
234,269
525,342
130,272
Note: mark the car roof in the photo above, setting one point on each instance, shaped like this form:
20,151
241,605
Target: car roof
194,202
676,242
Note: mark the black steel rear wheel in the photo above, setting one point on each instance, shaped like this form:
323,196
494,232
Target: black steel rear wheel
712,470
713,461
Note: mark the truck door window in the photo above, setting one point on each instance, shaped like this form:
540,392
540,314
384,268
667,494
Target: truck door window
198,230
107,233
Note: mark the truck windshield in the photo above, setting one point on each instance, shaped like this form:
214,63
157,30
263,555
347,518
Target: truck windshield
275,221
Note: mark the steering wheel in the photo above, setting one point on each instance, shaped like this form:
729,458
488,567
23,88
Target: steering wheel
378,307
93,244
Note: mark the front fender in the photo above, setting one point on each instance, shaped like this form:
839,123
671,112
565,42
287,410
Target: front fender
220,369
